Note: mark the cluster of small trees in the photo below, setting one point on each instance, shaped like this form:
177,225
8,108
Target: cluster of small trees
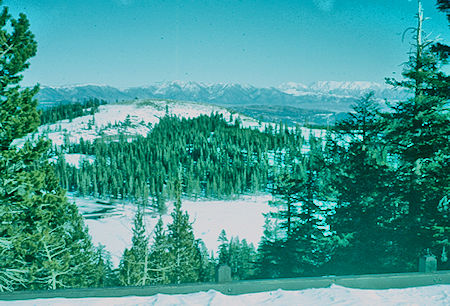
175,256
70,110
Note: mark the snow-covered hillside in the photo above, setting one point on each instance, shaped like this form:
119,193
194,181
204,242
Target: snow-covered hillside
130,118
438,295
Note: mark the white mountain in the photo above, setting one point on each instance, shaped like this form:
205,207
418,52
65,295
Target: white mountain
353,89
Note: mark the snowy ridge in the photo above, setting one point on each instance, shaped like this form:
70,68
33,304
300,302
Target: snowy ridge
134,118
343,89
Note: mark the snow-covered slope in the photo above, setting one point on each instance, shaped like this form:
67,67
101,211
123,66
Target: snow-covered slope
130,118
438,295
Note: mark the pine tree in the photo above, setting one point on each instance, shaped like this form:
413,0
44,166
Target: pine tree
223,252
270,251
285,195
106,277
238,255
298,250
135,264
361,219
183,255
417,132
44,243
159,266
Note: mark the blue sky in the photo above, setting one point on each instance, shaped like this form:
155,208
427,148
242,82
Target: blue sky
127,43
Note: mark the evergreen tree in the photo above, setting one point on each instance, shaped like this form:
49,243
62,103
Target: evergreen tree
44,243
417,132
159,266
238,255
134,266
270,251
183,255
207,263
298,251
361,219
285,194
223,252
106,276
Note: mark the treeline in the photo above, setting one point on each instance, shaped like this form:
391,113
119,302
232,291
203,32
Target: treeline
216,159
70,110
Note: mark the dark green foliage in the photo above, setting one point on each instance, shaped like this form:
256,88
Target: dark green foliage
361,220
183,255
175,256
134,266
218,160
391,179
18,112
294,236
418,137
43,241
48,241
223,253
158,256
70,110
106,275
207,263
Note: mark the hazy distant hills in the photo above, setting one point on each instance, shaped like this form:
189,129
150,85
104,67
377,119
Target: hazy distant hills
318,103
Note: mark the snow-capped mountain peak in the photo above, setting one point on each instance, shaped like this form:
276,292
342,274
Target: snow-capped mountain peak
339,85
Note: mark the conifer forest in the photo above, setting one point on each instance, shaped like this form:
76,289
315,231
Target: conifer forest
370,196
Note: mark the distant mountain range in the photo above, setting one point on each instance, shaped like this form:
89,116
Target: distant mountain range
320,100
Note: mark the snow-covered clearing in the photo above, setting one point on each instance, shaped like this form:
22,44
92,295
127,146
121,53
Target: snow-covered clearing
335,295
111,224
75,159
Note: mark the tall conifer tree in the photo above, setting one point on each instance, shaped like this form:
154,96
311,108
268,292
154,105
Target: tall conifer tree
184,256
43,241
135,264
418,132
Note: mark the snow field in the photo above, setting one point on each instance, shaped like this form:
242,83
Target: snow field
75,159
113,226
438,295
